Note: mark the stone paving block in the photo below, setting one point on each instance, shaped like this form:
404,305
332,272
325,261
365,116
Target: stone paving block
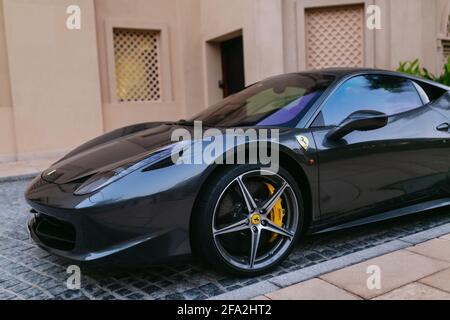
314,289
6,295
20,287
397,269
34,293
136,296
437,248
440,280
415,291
211,290
10,283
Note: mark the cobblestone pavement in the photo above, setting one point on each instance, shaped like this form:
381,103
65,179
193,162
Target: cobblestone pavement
27,272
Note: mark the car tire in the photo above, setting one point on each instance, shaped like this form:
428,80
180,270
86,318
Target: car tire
209,248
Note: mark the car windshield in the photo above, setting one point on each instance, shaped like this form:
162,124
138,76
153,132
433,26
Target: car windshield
279,101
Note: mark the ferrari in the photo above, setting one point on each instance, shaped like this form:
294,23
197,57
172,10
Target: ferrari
354,146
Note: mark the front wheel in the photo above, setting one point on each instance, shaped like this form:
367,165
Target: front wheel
247,220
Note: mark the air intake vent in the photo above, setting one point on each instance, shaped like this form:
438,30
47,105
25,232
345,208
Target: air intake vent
55,233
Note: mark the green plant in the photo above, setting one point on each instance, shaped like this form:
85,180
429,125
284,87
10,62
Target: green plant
414,68
445,77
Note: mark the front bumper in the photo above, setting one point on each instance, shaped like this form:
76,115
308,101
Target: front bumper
135,253
147,226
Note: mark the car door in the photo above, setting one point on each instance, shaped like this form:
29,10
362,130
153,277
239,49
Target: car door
369,172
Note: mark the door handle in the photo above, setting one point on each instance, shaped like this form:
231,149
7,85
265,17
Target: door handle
443,127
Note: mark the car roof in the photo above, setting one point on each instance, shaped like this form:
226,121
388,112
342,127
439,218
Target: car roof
344,72
340,73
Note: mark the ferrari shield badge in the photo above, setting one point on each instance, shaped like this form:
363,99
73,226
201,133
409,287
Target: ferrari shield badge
303,141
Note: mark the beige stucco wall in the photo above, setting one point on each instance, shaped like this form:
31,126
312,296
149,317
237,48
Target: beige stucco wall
191,53
414,28
406,33
442,13
261,24
262,29
117,13
410,30
265,48
5,96
55,84
220,20
7,138
54,76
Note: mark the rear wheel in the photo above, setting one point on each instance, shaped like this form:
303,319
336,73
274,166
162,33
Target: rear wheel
247,220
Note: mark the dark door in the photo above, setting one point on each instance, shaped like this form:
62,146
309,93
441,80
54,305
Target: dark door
370,172
233,66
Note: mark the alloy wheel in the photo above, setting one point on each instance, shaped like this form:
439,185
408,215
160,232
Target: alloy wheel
255,220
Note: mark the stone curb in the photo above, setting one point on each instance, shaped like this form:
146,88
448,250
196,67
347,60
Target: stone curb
427,234
290,278
21,177
248,292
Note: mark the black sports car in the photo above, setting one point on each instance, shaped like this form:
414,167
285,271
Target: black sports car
355,146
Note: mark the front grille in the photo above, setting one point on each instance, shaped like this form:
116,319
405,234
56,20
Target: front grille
55,233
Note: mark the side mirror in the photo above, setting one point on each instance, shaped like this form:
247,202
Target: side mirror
364,120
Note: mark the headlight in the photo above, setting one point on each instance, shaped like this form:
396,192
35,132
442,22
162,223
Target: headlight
105,178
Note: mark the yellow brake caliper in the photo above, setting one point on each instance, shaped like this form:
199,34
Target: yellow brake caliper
277,213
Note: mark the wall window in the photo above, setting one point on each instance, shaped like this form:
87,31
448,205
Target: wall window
137,65
391,95
334,37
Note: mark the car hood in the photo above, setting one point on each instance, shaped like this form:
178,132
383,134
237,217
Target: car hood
109,155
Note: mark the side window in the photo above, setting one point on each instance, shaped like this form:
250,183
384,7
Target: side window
388,94
432,92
